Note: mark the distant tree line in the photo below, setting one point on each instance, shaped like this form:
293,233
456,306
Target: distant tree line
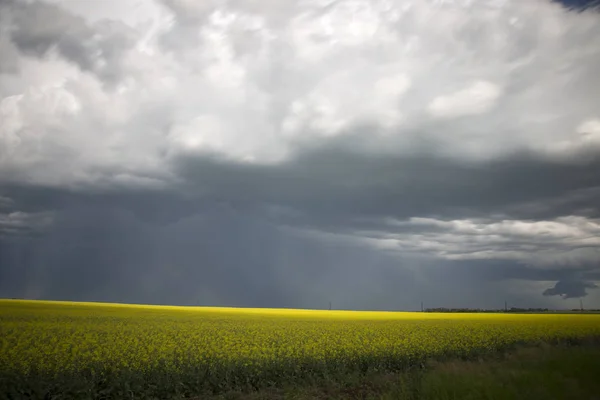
483,310
500,310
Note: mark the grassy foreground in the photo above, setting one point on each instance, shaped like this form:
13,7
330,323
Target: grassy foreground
58,350
555,372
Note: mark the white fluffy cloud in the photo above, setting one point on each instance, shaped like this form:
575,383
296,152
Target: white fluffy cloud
566,241
132,85
478,98
584,139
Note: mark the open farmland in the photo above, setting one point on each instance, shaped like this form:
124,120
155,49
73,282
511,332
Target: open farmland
112,351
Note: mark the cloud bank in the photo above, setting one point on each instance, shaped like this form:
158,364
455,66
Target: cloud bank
570,289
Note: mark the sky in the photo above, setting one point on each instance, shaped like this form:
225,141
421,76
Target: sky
374,154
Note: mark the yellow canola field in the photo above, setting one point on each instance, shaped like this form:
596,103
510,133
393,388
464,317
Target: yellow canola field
68,336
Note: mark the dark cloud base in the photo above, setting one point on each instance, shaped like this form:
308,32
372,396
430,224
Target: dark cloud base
568,289
227,247
579,5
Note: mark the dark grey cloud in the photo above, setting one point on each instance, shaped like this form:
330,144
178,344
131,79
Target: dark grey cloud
216,257
237,236
342,191
570,289
37,28
9,60
338,185
5,202
580,4
21,223
221,258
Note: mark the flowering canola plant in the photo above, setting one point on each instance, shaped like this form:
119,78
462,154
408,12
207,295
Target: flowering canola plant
69,337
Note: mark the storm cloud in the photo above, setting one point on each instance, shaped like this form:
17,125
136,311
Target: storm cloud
374,154
570,289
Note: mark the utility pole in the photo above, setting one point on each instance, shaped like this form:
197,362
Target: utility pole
330,305
421,306
505,306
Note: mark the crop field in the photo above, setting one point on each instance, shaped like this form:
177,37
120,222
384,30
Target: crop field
96,350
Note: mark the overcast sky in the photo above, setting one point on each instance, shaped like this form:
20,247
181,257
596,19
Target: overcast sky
369,153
